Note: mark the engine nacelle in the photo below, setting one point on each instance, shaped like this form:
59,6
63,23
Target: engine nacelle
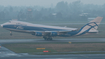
38,33
54,33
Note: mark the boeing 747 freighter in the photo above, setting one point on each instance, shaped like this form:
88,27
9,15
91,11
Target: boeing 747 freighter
48,32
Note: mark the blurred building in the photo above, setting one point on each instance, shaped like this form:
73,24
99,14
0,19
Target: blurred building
29,14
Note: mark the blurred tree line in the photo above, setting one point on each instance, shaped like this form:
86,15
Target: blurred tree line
62,11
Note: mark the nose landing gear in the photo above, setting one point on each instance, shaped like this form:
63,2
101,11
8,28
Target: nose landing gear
10,33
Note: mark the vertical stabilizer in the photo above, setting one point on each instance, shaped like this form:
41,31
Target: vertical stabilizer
92,26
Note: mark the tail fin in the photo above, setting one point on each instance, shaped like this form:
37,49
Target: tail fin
92,26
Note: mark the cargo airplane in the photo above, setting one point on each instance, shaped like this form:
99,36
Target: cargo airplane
48,32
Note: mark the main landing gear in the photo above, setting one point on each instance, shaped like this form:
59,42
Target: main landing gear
48,38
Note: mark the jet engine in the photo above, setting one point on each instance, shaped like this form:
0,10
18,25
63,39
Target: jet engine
38,33
54,33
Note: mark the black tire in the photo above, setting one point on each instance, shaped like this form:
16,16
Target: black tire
10,34
50,39
47,39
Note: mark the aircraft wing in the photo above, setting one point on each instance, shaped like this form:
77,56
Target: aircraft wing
50,32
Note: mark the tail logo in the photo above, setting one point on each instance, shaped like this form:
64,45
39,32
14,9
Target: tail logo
87,27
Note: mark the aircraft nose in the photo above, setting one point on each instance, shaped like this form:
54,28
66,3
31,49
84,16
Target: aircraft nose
1,25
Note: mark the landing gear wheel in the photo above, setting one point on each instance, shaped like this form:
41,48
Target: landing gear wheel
10,34
50,38
47,38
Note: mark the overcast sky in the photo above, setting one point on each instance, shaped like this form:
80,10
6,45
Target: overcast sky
45,3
